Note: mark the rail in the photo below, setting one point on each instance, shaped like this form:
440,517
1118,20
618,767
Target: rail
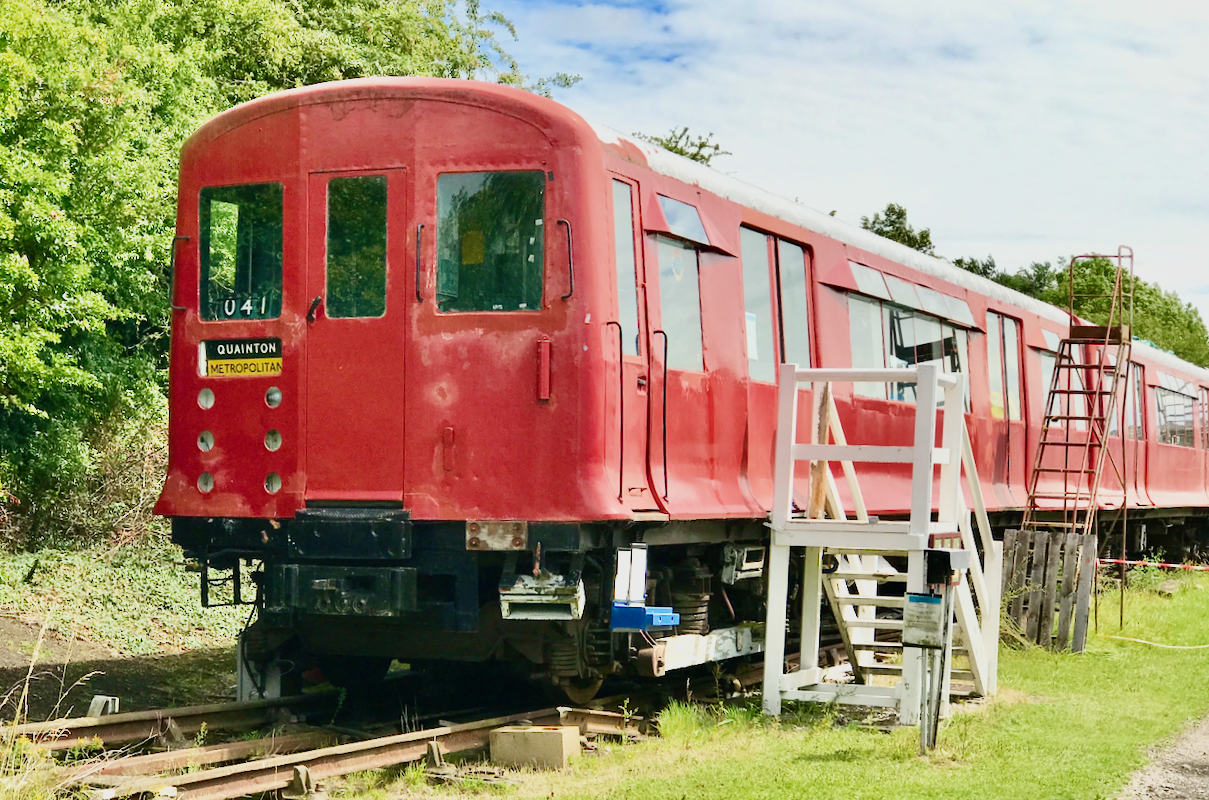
129,777
137,726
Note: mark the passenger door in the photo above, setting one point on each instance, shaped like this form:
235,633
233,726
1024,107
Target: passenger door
490,370
356,293
635,490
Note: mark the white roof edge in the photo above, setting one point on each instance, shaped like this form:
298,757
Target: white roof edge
684,169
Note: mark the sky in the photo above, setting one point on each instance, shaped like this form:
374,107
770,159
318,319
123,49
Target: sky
1027,131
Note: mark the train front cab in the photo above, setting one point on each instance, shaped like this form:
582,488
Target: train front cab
379,336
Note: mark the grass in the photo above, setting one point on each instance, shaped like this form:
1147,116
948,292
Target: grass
1063,726
136,599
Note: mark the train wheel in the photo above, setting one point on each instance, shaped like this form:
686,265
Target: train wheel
581,690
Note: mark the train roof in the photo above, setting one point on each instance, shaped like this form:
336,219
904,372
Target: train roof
684,169
661,161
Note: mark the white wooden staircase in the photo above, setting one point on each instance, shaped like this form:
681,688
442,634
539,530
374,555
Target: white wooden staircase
847,559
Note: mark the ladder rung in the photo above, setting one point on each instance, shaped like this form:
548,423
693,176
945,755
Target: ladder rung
864,600
889,647
880,624
883,669
880,577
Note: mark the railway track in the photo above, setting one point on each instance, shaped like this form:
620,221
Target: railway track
299,760
119,729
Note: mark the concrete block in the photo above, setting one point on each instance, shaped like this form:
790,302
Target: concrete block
541,746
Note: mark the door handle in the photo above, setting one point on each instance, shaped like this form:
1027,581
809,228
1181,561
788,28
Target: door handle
620,411
570,262
419,262
310,314
664,335
172,275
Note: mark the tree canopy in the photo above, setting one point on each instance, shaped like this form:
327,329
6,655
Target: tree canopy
96,98
679,141
892,224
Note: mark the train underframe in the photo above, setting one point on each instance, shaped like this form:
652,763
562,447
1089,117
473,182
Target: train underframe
352,588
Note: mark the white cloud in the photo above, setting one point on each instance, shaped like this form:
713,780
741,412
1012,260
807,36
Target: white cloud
1026,130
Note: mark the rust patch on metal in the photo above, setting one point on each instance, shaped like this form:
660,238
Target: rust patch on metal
497,535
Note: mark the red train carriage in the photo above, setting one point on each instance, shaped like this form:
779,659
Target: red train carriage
440,348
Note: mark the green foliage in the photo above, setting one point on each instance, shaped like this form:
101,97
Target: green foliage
135,598
95,100
683,143
892,224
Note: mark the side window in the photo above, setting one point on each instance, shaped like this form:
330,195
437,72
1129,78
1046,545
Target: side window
240,246
356,247
490,252
1003,366
868,350
1067,403
1011,366
1136,418
995,366
627,282
757,305
900,348
795,321
1174,417
680,303
1203,402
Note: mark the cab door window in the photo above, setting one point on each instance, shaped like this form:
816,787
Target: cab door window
490,253
356,247
627,284
240,248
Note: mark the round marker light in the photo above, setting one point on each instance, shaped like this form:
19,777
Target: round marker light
272,440
205,441
205,482
205,398
272,483
272,398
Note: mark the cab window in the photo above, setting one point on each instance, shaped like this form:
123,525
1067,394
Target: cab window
356,247
240,249
489,241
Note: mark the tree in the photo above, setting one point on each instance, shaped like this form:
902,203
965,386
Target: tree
679,141
96,98
892,224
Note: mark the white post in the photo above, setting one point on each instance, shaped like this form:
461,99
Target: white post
783,465
778,555
812,591
911,694
925,440
774,629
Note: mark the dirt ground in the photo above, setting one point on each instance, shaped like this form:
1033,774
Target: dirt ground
69,672
1178,770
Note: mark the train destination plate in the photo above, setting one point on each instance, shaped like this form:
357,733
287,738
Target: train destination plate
239,357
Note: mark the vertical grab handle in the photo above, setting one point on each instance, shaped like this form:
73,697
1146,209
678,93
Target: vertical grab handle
620,410
172,275
571,265
664,419
419,241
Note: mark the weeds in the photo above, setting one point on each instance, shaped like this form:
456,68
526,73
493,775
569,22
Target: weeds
137,599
